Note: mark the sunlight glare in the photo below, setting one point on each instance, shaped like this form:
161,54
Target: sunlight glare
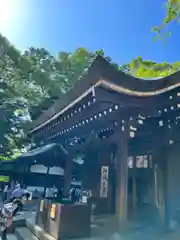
10,15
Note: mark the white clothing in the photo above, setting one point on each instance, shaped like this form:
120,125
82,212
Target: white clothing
8,209
49,193
17,185
6,188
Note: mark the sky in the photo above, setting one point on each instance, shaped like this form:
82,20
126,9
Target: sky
121,27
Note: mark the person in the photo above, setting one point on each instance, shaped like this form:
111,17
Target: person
77,194
60,194
16,184
35,194
1,194
73,194
7,213
18,192
49,193
5,192
12,185
55,191
4,234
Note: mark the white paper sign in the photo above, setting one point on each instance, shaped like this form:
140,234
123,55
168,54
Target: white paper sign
104,181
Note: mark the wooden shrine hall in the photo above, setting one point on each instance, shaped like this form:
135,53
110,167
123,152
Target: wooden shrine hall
128,130
40,167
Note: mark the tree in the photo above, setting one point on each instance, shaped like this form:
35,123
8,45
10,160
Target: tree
10,94
54,77
30,83
149,69
172,14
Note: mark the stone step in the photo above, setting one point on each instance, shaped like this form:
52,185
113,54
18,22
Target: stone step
37,231
11,237
16,223
19,221
42,235
23,233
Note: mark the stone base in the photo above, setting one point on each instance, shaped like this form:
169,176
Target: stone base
24,233
31,205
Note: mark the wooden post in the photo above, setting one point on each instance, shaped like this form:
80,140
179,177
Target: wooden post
47,175
163,154
160,156
122,177
67,176
165,189
134,187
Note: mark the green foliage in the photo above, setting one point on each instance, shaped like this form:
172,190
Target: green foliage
124,68
30,83
149,69
172,14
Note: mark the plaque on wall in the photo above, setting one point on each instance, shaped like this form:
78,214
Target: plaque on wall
142,161
104,181
53,211
41,205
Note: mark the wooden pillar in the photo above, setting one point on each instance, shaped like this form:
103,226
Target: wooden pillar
122,177
162,184
165,188
163,153
67,176
47,176
113,183
134,197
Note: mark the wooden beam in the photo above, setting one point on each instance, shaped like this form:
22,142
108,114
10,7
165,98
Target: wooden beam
110,86
90,90
98,121
83,115
141,94
124,101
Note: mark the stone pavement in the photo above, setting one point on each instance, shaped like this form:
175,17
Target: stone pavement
98,233
11,237
139,235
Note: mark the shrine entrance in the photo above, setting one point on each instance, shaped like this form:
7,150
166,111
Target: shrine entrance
141,182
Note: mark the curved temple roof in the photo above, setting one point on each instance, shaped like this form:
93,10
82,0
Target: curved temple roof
32,154
103,74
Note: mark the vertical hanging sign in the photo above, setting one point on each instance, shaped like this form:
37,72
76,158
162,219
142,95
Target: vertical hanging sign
104,181
41,205
53,211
